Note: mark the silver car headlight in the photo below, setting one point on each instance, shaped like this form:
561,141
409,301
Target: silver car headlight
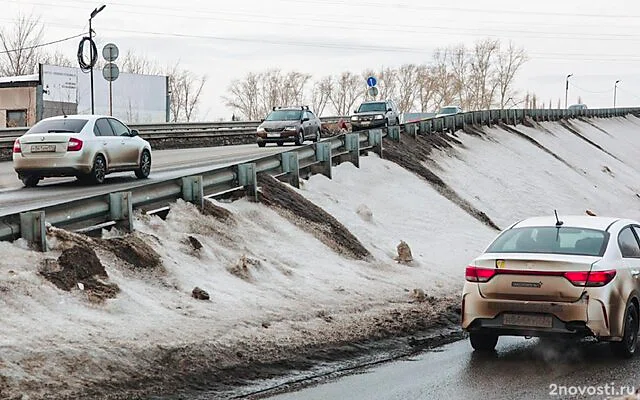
354,118
379,117
290,128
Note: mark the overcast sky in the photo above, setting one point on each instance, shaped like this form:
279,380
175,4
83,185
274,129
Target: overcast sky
597,41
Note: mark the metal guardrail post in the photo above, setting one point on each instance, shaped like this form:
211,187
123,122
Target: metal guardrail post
394,133
33,229
425,127
352,145
247,177
121,210
375,138
291,165
410,129
193,190
323,155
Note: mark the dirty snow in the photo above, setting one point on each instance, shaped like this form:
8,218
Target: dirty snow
293,281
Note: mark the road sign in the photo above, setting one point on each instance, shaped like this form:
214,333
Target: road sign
111,72
372,81
110,52
373,91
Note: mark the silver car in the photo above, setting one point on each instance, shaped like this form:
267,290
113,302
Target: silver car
85,146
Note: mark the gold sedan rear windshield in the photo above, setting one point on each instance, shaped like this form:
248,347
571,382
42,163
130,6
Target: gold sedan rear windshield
551,240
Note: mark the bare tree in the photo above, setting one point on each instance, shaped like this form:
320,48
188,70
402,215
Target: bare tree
510,61
534,101
441,72
408,87
243,96
56,58
427,87
139,64
460,66
347,90
481,69
321,93
19,44
192,85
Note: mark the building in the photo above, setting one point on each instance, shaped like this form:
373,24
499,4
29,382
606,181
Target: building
18,96
134,98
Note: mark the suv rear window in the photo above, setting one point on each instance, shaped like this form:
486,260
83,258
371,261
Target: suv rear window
551,240
448,110
285,115
368,107
58,125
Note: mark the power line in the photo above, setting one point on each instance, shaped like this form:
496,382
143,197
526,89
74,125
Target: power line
40,45
589,91
422,28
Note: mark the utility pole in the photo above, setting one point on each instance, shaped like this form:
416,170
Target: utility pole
91,55
615,93
566,92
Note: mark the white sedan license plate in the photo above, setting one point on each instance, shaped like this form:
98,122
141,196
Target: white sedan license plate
43,148
365,122
537,321
273,135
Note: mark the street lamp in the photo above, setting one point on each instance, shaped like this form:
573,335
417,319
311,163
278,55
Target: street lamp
93,14
566,92
615,92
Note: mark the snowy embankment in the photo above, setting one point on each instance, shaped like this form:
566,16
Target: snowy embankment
278,288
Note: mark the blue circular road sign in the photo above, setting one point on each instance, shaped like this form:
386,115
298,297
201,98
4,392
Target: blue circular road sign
371,81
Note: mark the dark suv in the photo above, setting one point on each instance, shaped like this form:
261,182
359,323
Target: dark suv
375,114
289,124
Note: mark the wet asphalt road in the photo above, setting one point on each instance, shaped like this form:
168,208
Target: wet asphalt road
520,369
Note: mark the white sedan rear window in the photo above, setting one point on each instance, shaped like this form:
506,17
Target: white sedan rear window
66,125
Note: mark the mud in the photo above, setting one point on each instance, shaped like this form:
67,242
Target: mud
134,251
80,268
219,213
411,154
309,217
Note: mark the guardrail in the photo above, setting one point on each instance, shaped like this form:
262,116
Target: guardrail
8,135
117,208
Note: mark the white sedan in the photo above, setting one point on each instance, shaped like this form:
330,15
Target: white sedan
85,146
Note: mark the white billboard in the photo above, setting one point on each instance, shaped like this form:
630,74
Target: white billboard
59,84
136,98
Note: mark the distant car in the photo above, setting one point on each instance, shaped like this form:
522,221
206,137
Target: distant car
448,110
578,107
85,146
375,114
289,124
572,277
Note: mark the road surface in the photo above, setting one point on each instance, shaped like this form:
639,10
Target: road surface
166,164
520,369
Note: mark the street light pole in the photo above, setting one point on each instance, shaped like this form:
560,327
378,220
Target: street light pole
615,92
93,14
566,92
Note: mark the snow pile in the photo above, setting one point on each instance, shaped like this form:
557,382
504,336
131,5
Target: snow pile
272,285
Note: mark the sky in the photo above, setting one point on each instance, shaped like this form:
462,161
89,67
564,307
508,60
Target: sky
597,42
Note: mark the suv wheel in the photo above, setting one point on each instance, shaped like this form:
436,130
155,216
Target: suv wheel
300,138
626,348
317,138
